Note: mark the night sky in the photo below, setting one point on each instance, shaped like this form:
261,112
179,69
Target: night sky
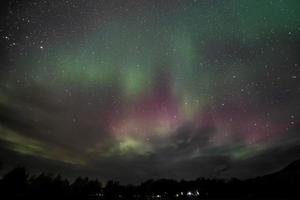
139,89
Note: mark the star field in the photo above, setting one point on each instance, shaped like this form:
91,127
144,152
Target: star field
146,89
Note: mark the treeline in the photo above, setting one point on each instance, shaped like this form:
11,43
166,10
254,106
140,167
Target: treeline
18,184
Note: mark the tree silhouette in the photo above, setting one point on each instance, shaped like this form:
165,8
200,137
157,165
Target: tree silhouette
83,187
112,190
14,183
17,184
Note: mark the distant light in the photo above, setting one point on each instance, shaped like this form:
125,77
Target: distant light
189,193
41,47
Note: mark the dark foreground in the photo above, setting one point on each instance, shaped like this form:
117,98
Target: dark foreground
284,184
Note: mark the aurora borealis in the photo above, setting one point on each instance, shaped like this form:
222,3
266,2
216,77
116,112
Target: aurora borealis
138,89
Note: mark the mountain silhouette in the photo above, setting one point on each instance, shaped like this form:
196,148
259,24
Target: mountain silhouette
289,173
283,184
293,167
